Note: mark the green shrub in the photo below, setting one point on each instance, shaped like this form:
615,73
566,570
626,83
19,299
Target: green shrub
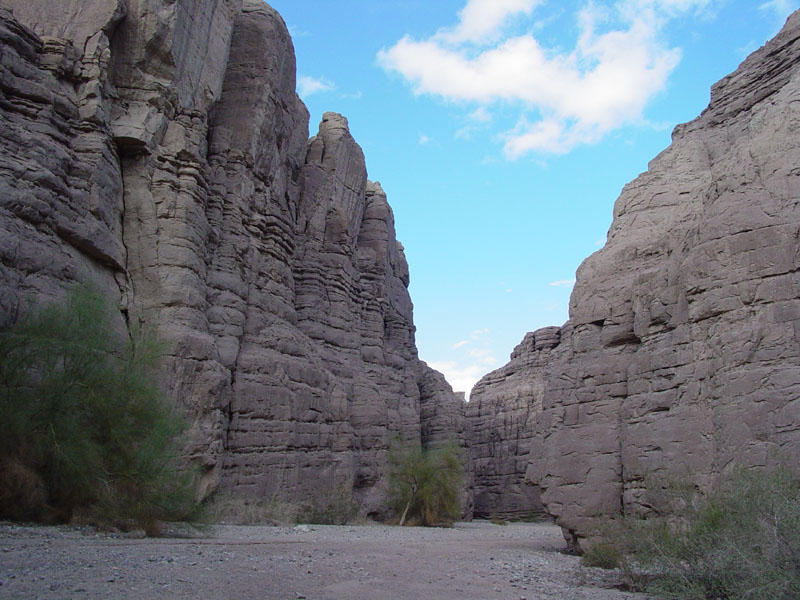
426,485
741,541
84,427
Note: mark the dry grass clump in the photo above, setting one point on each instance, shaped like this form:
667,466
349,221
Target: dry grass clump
227,509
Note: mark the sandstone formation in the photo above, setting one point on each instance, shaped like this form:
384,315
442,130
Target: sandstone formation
157,148
681,355
501,412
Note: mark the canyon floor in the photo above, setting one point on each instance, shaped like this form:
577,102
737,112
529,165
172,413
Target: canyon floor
477,560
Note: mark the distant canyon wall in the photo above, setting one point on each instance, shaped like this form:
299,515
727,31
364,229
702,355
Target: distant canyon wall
502,411
681,356
158,149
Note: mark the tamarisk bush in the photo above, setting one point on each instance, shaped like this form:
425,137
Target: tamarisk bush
84,427
426,485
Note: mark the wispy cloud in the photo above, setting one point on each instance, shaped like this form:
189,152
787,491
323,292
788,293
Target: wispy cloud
781,8
565,98
306,86
471,358
296,33
563,283
424,139
481,114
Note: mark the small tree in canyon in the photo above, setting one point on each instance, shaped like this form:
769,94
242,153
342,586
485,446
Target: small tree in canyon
84,426
426,485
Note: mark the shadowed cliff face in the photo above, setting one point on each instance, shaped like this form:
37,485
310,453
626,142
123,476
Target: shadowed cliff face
502,411
159,150
682,352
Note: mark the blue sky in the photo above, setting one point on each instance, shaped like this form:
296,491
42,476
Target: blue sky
502,132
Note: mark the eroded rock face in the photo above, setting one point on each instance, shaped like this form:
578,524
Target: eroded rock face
159,150
502,411
681,353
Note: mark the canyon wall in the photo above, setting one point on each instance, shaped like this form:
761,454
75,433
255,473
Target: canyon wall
502,411
681,356
157,149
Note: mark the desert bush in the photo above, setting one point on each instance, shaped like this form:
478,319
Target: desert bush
741,541
84,426
426,485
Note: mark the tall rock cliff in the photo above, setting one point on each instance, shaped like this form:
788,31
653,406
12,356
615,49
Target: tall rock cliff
158,149
681,355
502,411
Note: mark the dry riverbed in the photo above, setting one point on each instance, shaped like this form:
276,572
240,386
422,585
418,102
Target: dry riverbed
476,560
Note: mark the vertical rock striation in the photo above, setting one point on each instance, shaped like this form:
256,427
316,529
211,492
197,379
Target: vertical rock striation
158,149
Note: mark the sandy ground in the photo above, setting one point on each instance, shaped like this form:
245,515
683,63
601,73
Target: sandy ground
476,560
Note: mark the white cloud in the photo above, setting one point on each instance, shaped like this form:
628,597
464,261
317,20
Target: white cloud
424,139
460,344
563,283
564,98
309,85
482,20
462,378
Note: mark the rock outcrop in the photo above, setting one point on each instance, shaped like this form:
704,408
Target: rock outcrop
682,351
158,149
681,356
502,410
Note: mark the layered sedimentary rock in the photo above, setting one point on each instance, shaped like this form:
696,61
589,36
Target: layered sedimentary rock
158,150
502,410
682,352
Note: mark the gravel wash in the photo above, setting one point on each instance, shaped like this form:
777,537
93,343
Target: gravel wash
478,560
